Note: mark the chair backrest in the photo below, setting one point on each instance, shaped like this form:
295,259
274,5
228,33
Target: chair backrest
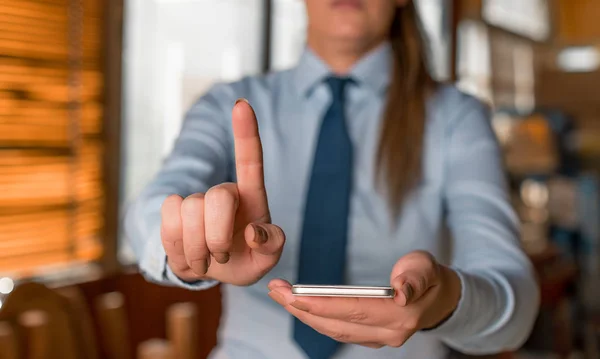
85,322
112,320
182,330
45,323
156,349
8,342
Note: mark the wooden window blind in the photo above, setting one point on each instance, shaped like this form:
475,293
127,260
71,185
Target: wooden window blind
51,87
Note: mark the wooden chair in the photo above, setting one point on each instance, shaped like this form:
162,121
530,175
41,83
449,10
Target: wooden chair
85,321
37,331
182,330
8,342
112,319
45,323
156,349
146,306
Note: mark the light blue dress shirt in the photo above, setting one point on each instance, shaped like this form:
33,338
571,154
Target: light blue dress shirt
460,212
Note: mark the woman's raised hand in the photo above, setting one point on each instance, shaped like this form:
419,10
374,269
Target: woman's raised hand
226,233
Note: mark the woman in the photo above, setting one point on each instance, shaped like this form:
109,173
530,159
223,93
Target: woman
363,158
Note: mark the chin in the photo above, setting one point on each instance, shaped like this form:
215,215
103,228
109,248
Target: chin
348,30
350,34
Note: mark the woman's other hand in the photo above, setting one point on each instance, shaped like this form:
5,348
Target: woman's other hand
426,294
226,233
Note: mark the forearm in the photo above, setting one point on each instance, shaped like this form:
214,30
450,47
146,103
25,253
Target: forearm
500,295
496,311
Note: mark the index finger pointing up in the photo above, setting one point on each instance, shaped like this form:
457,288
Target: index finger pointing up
248,157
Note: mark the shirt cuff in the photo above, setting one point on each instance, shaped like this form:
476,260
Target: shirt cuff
153,266
153,260
464,319
196,285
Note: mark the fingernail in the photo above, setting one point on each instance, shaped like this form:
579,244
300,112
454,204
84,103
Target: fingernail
299,305
408,291
260,234
199,266
241,99
278,298
221,258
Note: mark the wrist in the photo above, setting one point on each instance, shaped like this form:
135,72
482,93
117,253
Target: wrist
453,288
451,292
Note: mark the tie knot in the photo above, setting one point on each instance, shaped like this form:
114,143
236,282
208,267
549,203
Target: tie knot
337,85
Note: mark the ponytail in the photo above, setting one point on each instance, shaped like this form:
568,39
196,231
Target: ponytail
401,142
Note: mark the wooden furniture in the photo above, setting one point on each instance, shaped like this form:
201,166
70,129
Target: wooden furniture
108,318
45,324
112,319
156,349
8,342
182,330
37,333
154,321
85,325
146,305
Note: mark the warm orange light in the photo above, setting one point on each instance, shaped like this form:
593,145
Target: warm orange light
51,199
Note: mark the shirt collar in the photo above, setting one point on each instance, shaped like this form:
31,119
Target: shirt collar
373,70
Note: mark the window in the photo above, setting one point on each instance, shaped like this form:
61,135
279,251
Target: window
473,60
496,66
512,72
175,50
435,17
288,33
529,18
51,149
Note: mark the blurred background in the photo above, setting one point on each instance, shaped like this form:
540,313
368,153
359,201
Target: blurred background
92,94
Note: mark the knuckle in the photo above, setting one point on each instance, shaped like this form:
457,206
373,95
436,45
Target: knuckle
192,205
195,252
429,259
218,244
195,258
171,200
174,244
177,265
336,332
220,194
357,316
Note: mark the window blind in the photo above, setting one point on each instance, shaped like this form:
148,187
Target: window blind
51,148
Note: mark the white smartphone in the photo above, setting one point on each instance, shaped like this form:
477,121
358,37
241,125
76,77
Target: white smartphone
342,291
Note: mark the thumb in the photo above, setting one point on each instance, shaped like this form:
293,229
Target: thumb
416,274
410,287
266,242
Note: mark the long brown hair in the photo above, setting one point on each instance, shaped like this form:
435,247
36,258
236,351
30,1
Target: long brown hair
401,142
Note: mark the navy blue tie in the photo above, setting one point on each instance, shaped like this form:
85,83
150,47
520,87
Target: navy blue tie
324,233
